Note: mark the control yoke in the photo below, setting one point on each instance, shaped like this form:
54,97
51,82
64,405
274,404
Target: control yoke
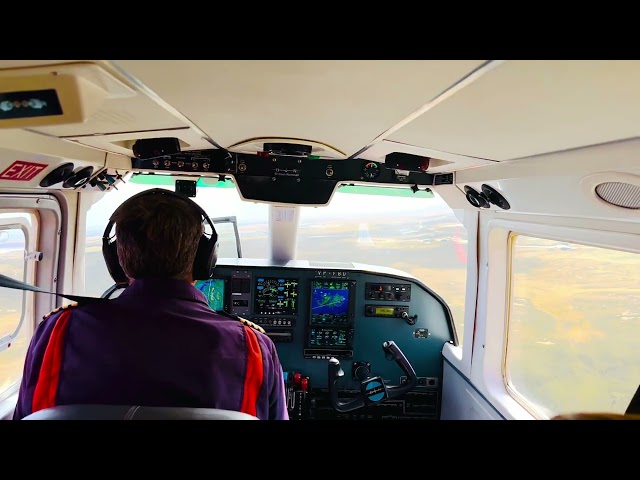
372,389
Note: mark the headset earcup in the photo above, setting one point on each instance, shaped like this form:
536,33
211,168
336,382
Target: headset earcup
206,258
110,254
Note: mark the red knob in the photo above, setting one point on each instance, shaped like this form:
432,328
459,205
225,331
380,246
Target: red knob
304,385
296,378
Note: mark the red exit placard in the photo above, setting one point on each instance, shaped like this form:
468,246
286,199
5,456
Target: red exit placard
22,171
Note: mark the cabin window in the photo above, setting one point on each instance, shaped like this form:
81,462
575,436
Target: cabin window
574,325
219,200
416,233
17,238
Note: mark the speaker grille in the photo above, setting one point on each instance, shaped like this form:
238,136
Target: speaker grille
620,194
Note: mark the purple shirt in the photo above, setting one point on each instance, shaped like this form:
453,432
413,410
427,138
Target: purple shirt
157,344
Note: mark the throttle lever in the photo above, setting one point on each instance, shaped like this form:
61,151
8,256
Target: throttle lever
390,347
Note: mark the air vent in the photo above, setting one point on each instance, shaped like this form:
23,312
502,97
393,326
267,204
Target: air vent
623,195
443,179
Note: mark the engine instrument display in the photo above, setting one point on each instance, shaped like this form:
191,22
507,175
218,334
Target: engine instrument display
276,296
323,337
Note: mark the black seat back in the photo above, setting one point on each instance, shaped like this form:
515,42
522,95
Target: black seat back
134,412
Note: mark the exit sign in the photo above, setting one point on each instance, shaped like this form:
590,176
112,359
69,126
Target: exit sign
22,171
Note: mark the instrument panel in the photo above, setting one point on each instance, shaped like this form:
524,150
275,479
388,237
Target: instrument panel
315,314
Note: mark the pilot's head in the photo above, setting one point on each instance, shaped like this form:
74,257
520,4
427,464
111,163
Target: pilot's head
158,237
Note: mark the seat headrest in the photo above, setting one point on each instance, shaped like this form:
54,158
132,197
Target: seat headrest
134,412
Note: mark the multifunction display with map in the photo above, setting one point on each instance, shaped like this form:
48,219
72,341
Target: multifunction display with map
330,302
331,315
276,296
214,290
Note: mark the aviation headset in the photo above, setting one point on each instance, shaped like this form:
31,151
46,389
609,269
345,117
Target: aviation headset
206,254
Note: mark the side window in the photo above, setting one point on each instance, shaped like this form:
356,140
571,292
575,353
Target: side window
18,234
574,325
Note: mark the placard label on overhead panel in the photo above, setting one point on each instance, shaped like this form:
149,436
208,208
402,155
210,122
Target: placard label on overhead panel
22,171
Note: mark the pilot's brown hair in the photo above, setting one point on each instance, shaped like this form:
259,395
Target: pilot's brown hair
157,236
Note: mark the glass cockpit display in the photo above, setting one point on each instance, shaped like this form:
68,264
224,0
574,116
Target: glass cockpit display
330,302
214,290
276,296
331,314
320,337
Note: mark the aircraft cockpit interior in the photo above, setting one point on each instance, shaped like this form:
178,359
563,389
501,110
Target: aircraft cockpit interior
420,240
356,341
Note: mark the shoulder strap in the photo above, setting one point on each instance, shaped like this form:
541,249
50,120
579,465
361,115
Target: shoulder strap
242,320
60,309
9,282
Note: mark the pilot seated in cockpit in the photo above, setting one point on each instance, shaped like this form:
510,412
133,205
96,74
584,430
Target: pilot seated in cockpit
159,343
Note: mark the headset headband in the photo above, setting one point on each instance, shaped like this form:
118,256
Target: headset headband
162,191
206,253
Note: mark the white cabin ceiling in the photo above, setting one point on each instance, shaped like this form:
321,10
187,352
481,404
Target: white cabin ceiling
524,108
520,108
342,103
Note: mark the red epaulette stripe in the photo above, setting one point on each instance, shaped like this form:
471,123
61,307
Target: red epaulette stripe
254,374
46,389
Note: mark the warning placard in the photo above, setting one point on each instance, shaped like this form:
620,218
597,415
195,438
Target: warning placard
22,171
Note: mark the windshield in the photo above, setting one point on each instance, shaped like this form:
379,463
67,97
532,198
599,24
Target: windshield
418,234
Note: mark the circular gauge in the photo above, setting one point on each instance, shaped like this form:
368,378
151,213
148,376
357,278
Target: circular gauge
370,170
270,288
